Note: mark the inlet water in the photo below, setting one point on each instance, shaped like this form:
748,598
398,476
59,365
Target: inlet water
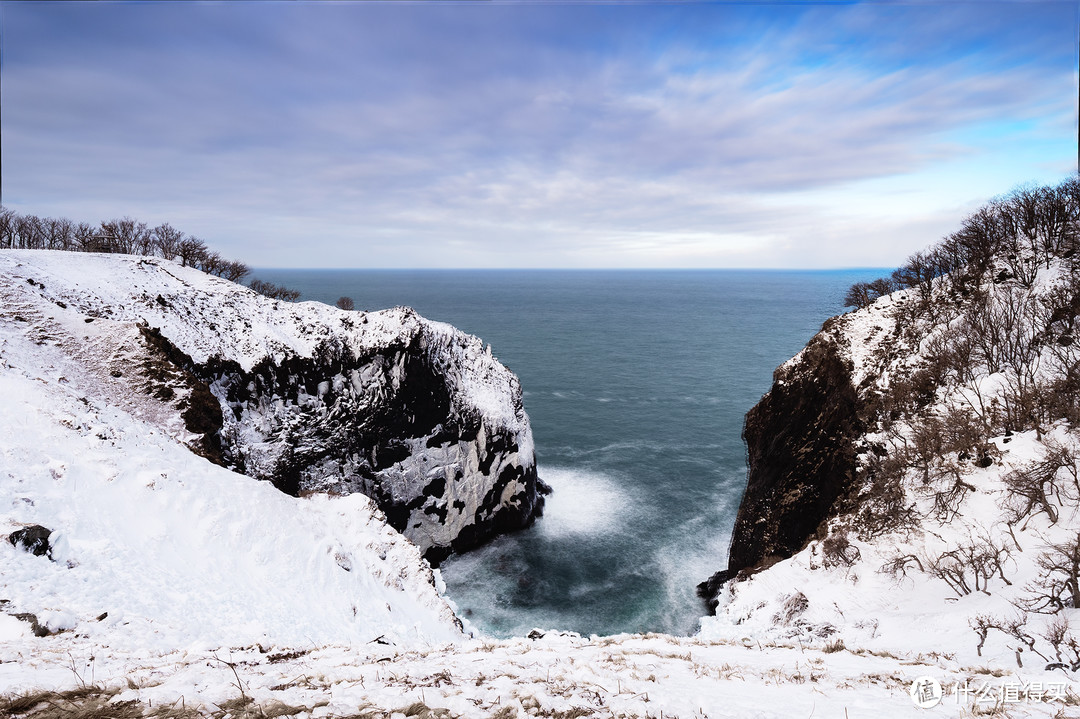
636,383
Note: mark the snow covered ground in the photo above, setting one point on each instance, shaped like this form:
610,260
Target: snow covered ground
964,577
179,588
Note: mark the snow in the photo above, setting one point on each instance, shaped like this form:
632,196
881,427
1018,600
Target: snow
175,581
913,613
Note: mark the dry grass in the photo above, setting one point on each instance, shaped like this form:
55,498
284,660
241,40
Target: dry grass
86,702
96,702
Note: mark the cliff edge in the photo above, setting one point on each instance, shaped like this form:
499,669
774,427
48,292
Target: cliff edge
412,413
916,465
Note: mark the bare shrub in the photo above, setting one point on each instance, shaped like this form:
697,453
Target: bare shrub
1058,587
838,551
899,565
882,502
970,567
1041,486
837,645
269,289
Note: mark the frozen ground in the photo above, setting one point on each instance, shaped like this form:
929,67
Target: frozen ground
178,588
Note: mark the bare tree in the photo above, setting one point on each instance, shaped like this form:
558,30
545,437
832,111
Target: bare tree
190,250
346,303
269,289
129,236
235,271
59,234
29,233
167,240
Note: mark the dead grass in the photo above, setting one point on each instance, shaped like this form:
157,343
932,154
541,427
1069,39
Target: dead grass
834,646
286,656
96,702
86,702
572,713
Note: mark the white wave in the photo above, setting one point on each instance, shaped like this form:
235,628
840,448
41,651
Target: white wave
583,503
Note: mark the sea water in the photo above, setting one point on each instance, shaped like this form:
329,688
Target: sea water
636,383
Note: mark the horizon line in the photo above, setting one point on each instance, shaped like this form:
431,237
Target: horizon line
575,269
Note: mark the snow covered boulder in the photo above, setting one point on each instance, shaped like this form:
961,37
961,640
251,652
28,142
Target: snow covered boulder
412,413
33,539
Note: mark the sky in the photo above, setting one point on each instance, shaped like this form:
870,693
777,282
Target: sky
533,134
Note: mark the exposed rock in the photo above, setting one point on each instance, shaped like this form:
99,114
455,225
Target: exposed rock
801,458
33,539
38,629
415,414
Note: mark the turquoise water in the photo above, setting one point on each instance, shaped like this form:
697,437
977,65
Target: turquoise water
636,383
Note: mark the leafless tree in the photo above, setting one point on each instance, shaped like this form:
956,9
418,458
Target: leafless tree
190,250
235,271
167,240
129,236
269,289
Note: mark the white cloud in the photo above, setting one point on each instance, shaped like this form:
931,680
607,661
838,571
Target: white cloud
507,138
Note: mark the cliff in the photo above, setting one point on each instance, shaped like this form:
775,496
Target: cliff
916,463
414,414
800,456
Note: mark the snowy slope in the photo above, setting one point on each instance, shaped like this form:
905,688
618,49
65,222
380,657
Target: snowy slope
955,568
178,588
176,550
412,413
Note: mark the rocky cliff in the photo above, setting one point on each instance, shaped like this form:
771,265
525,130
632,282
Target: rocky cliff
916,464
414,414
800,453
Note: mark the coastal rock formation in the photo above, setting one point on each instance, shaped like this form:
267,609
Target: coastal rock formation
412,413
800,453
916,464
800,450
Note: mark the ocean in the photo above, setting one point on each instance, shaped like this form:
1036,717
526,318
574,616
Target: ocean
636,383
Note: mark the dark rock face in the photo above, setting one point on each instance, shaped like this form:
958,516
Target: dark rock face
385,422
801,457
33,539
167,369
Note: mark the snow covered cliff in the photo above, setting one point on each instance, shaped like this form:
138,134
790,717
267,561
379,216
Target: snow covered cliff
176,588
414,414
913,471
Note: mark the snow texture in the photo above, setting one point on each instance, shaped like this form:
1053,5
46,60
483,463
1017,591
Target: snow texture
415,414
176,583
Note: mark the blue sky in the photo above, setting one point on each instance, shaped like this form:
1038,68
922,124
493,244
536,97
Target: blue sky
342,134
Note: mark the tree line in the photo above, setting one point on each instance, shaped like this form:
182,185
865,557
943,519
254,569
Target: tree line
130,237
1027,227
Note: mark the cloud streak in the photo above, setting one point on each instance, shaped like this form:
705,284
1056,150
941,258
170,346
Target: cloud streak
378,135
